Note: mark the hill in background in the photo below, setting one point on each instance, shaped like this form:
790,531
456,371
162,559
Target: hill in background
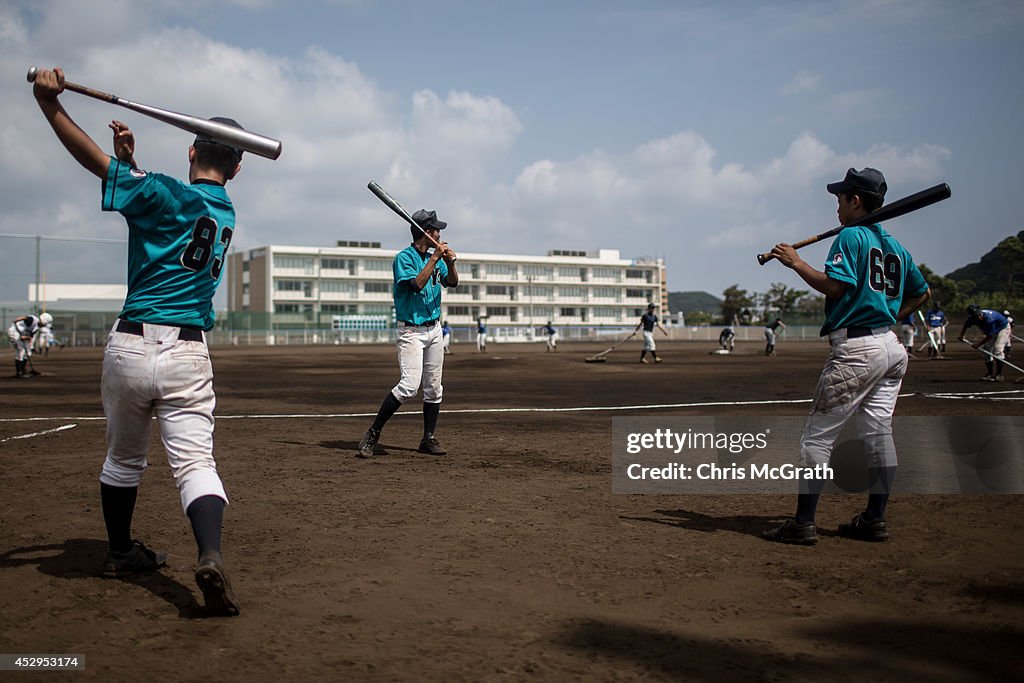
691,302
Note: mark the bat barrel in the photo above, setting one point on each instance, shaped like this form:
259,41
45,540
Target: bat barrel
245,140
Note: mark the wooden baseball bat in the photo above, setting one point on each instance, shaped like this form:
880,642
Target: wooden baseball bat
229,135
913,202
397,208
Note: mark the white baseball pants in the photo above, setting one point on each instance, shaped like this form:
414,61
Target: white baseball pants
420,360
862,376
649,344
158,374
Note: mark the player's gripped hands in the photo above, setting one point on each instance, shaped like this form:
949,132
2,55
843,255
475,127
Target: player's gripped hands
786,254
48,84
124,142
448,255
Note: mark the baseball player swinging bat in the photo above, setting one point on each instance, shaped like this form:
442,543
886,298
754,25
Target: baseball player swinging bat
229,135
397,208
896,209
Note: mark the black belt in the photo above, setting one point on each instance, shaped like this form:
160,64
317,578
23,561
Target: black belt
854,332
193,334
429,323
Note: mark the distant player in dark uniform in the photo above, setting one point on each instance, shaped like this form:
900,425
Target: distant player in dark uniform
552,340
996,329
726,338
869,282
481,335
649,321
936,319
771,331
419,275
446,334
156,362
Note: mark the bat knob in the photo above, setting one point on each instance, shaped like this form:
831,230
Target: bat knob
760,259
31,75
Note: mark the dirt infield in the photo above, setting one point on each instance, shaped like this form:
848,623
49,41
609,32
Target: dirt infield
509,559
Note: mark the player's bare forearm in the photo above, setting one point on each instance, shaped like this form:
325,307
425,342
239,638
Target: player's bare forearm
787,256
47,86
423,277
911,305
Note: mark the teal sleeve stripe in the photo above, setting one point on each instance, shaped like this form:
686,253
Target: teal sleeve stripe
110,184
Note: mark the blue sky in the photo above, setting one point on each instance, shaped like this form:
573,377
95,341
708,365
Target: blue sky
701,132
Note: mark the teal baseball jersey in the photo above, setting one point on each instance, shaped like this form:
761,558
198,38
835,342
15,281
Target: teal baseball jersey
879,272
417,307
177,238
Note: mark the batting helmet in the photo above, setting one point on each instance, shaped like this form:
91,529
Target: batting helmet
46,319
973,310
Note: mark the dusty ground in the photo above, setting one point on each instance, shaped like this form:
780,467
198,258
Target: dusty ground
510,559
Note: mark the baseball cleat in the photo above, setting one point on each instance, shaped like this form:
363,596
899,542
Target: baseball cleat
861,529
135,561
792,532
213,581
431,446
644,360
368,443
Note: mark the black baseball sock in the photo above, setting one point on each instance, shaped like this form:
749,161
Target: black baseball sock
430,412
879,486
207,516
988,367
387,409
806,507
807,500
118,507
999,368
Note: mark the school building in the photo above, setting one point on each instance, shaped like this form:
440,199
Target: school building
350,285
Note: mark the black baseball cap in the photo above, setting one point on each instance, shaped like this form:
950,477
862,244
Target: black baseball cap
203,137
428,219
868,180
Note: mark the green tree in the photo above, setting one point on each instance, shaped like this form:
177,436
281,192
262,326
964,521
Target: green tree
1011,252
949,293
781,298
734,300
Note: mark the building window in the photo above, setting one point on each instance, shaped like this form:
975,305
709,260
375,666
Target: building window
377,309
636,293
538,272
348,265
606,293
339,308
303,263
376,287
303,286
568,312
604,312
376,265
458,310
605,273
286,308
502,271
339,286
572,292
501,311
497,290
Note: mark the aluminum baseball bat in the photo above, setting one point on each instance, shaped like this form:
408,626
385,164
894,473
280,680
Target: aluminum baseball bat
927,331
913,202
993,357
229,135
397,208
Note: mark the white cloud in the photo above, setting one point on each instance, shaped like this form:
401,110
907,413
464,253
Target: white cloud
802,82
